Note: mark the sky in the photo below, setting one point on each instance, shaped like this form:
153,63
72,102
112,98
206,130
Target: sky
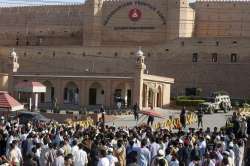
9,3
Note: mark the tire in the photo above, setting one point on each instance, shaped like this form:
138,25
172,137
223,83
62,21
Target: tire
216,111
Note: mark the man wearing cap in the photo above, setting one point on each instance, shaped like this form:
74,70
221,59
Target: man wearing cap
184,153
226,155
159,158
112,159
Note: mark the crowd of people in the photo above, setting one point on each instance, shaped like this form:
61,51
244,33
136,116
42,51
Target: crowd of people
53,144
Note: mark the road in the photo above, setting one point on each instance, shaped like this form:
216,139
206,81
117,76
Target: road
209,120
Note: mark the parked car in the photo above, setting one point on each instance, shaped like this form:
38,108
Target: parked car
25,117
219,102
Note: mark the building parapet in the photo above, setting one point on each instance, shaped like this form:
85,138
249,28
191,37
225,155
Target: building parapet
12,5
158,78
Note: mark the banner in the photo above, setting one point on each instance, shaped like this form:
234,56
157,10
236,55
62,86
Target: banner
175,123
245,111
84,123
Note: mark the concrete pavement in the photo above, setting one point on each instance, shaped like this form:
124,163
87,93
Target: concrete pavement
209,120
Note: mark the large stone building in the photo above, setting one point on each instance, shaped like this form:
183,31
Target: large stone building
202,45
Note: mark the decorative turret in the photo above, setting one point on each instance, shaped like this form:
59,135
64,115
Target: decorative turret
140,60
13,66
138,82
13,62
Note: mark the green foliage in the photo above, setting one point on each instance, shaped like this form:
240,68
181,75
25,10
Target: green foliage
188,98
188,102
237,102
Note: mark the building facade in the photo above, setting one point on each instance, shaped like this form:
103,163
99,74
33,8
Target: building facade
202,45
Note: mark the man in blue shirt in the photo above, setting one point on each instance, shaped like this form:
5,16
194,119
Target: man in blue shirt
144,157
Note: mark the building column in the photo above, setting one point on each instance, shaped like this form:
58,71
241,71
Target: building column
108,92
146,97
36,101
30,102
125,94
155,99
138,88
82,93
58,94
86,89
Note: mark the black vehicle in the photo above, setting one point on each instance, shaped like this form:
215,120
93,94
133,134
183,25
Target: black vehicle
25,117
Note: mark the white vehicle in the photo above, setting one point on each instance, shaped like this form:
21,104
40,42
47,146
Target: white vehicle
218,102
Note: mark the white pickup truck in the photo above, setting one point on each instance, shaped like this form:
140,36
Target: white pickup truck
219,102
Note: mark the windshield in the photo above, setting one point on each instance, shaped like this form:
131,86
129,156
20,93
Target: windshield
212,100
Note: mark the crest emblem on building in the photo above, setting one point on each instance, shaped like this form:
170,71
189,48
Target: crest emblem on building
134,14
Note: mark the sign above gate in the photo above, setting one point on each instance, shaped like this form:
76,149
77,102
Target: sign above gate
135,14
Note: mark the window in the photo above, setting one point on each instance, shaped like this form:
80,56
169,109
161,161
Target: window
52,93
214,57
17,41
234,42
42,98
65,95
234,58
195,57
27,43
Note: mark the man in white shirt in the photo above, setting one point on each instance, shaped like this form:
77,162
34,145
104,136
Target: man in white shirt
112,159
74,148
103,161
80,157
14,154
154,147
232,154
59,161
202,146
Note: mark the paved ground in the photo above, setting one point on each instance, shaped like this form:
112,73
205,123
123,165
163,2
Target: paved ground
213,120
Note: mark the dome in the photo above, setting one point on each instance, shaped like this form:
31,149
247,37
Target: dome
139,53
13,53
